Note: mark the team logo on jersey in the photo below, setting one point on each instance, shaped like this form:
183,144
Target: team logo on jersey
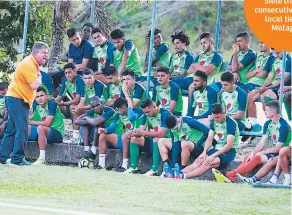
275,137
163,101
101,60
175,67
233,96
202,63
200,104
259,67
278,71
74,95
229,107
220,137
44,118
156,128
116,96
128,125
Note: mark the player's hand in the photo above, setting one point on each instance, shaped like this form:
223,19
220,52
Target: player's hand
262,90
101,131
192,69
235,48
229,68
209,160
137,133
236,77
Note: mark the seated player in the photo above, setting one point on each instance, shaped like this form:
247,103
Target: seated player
46,123
234,101
188,137
203,98
126,117
153,127
257,77
126,54
277,130
131,89
90,88
160,56
242,59
224,132
269,90
3,112
167,94
71,88
99,116
209,62
103,53
181,61
114,87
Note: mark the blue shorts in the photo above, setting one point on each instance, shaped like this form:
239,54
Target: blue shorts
226,158
183,83
198,149
119,143
272,155
53,137
251,87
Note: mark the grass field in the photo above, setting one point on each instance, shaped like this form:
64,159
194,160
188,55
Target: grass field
69,190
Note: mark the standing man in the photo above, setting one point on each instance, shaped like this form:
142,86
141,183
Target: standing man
20,95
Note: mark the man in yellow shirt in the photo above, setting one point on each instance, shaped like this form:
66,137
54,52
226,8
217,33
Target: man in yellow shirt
19,98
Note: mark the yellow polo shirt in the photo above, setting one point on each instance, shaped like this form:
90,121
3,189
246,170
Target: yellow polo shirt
25,73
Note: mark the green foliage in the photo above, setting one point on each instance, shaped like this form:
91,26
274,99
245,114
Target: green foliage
11,28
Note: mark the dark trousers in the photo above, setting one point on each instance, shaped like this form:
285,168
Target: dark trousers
15,136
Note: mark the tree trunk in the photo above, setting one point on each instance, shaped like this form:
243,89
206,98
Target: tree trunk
61,12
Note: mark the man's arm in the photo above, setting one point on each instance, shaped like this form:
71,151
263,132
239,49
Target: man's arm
242,102
47,122
35,80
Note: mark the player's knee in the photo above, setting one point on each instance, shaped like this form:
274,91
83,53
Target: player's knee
41,129
283,151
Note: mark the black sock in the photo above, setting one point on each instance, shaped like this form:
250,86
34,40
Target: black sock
168,162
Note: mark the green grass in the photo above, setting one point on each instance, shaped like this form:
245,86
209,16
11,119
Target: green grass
115,193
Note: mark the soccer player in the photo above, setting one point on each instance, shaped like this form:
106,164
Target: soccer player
114,87
167,94
126,54
257,77
103,53
188,137
181,61
153,127
210,61
203,98
46,123
277,130
234,101
242,59
90,88
224,131
99,116
71,89
80,51
131,89
127,117
160,55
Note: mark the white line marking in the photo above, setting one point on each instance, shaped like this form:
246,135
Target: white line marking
35,208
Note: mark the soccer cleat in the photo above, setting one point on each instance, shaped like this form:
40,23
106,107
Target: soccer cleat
120,169
89,155
3,162
178,174
220,177
151,173
130,170
243,179
40,162
168,171
98,167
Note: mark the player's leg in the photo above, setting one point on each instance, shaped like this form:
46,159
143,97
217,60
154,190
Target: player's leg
284,155
165,146
267,96
135,143
103,139
74,115
186,148
190,92
251,108
86,130
155,158
287,103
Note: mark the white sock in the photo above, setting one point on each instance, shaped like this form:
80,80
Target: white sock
101,160
86,148
254,120
94,149
76,134
274,179
125,163
42,155
287,176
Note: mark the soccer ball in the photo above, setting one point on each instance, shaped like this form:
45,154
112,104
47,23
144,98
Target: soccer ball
85,163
